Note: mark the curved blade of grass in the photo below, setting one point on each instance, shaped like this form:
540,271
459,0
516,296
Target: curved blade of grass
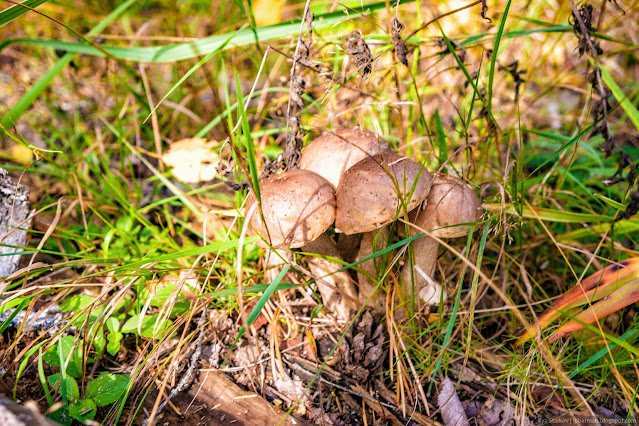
612,203
441,139
209,248
181,51
624,102
16,311
255,312
28,98
251,289
383,251
493,59
560,150
469,79
603,351
17,10
561,138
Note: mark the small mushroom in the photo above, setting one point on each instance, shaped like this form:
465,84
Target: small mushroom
331,154
298,206
372,194
450,211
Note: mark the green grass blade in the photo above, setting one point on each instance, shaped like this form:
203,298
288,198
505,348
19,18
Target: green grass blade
32,94
17,10
250,149
624,102
493,59
255,312
554,215
441,139
612,203
603,351
451,322
573,141
43,379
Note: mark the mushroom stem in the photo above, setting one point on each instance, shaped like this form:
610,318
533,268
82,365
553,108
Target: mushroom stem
274,260
425,254
368,246
338,292
450,204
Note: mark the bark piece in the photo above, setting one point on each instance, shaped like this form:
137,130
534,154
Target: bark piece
229,404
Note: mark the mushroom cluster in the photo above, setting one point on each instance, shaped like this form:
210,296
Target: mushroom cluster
353,179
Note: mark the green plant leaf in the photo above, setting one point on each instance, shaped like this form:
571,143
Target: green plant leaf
112,324
4,307
84,410
43,380
72,389
107,388
246,132
99,342
601,353
113,347
150,327
612,203
493,59
191,71
66,344
24,302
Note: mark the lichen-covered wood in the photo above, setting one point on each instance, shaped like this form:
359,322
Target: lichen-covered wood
14,221
12,414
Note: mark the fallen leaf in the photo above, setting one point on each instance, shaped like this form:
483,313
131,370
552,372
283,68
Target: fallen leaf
193,160
452,410
268,12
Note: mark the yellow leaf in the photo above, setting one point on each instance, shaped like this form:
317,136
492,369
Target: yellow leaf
193,160
268,12
21,154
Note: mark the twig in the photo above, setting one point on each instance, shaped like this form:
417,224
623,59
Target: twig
290,140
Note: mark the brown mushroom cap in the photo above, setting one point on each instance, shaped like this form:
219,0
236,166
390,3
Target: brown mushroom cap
450,202
331,154
298,206
367,196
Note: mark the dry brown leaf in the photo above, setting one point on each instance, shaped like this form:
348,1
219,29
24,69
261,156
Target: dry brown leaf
452,410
